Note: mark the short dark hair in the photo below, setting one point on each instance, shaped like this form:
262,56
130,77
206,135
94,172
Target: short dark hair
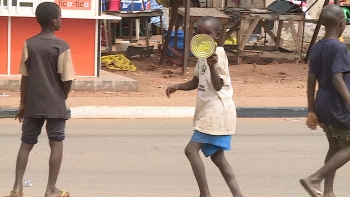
212,19
46,12
332,15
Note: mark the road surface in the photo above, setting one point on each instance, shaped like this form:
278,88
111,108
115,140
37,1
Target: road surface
144,158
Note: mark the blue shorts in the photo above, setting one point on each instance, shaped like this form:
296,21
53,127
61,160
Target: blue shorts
212,143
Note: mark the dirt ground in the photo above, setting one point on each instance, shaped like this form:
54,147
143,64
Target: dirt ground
254,78
249,80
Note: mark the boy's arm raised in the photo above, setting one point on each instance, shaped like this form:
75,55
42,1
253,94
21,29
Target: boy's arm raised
215,78
339,84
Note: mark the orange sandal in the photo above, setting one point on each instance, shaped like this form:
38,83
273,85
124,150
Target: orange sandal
64,194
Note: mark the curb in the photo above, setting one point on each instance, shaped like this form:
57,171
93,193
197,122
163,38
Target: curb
149,112
110,82
10,112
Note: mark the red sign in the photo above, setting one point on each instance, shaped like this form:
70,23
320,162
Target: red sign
74,4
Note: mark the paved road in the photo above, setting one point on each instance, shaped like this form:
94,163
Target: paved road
144,158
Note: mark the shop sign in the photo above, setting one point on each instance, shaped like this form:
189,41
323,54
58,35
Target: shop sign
74,4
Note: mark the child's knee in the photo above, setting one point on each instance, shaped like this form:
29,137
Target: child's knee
190,151
27,145
187,151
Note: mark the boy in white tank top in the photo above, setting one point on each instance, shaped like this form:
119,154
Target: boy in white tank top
214,120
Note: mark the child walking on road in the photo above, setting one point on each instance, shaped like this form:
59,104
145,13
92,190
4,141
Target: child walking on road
215,115
47,74
330,67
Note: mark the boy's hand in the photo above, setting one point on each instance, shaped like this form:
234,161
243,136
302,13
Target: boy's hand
171,89
212,60
312,121
20,113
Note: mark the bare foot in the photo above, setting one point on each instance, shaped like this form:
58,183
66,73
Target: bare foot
16,193
312,186
329,195
56,193
314,183
204,195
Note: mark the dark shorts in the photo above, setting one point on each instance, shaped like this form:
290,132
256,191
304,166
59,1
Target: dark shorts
31,129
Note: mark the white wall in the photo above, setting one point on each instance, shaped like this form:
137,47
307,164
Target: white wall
315,11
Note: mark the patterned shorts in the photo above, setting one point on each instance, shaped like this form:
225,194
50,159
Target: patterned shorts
338,133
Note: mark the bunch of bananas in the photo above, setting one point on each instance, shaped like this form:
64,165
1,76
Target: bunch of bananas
118,62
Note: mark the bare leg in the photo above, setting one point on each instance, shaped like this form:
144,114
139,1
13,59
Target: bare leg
54,168
21,165
192,153
335,162
220,161
334,147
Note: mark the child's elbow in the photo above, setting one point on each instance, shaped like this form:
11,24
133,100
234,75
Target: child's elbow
218,87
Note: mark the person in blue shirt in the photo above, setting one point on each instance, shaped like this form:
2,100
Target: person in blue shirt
329,66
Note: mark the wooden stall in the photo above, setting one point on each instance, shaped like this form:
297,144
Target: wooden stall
189,16
251,18
143,16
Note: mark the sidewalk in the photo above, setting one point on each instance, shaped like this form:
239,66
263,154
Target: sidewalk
162,107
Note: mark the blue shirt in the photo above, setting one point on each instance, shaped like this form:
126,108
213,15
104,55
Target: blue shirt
329,57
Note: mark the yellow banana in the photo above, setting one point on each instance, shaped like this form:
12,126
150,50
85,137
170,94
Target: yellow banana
118,62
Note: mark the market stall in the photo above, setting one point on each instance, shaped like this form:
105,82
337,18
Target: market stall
251,15
249,21
144,16
80,28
